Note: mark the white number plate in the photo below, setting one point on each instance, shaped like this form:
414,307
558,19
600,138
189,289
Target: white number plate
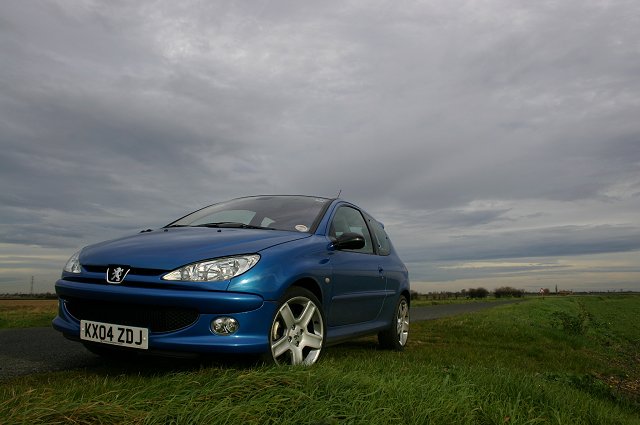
107,333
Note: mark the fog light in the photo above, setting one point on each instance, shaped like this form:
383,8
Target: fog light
224,325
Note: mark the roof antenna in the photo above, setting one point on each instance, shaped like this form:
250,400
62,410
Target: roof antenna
339,192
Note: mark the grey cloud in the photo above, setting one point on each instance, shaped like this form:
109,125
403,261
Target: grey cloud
547,242
443,221
451,271
121,116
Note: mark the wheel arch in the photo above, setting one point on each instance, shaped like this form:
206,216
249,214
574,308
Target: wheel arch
311,286
407,296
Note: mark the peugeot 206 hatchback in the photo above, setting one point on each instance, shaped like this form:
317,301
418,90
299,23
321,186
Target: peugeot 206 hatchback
283,276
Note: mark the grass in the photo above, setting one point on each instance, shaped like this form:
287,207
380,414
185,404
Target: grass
27,313
553,361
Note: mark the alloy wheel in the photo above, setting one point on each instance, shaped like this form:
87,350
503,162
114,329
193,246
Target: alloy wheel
297,332
402,322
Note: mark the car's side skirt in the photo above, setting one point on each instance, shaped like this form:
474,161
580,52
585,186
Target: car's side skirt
338,334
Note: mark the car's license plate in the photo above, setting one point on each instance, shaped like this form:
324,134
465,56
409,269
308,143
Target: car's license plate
107,333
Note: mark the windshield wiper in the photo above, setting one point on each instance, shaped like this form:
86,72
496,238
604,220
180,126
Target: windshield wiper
232,225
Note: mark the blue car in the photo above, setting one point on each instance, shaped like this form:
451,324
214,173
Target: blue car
280,276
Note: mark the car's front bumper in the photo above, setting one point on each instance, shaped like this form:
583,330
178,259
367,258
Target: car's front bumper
252,313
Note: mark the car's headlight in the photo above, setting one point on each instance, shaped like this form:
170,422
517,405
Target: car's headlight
73,264
214,270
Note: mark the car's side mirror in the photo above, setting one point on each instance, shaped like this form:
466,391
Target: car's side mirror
349,241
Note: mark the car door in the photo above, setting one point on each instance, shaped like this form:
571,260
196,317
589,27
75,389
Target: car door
358,284
393,270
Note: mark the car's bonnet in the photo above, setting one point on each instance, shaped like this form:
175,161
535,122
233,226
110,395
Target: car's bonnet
171,248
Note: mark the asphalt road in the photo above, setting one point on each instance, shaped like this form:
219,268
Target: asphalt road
33,350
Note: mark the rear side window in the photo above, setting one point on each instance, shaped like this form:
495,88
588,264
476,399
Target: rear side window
381,238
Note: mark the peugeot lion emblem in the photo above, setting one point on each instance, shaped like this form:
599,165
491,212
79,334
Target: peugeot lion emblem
116,274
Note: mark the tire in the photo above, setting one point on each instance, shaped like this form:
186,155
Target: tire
396,335
297,332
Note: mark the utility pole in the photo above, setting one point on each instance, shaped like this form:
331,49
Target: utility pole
31,285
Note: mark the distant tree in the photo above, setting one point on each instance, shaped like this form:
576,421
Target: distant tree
477,293
507,291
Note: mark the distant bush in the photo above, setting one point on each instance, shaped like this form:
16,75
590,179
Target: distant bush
38,296
507,291
442,295
477,293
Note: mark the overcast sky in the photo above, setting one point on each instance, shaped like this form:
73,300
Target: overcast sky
498,140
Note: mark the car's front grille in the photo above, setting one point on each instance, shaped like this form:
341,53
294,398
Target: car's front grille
136,277
133,271
156,318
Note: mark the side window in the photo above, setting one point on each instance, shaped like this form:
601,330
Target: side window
381,238
349,220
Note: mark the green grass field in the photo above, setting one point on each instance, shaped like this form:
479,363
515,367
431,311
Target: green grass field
24,313
571,360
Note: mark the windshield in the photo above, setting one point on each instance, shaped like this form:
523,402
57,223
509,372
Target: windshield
294,213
